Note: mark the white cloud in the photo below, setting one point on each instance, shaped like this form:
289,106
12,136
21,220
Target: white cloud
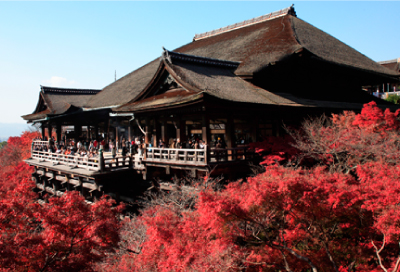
56,81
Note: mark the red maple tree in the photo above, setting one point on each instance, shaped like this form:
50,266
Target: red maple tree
337,212
64,234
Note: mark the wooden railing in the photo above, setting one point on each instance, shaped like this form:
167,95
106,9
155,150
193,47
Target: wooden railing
231,154
97,163
134,161
198,156
152,154
176,155
91,164
40,144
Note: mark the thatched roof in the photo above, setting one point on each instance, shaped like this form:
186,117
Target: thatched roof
256,44
219,81
126,88
56,101
198,77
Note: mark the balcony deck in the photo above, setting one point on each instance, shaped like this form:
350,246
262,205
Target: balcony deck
168,158
122,177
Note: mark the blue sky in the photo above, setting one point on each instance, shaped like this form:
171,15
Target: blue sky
81,44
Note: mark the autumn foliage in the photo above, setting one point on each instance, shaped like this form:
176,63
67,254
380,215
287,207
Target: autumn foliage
64,234
327,201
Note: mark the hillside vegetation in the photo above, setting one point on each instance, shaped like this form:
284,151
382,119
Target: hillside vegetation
326,200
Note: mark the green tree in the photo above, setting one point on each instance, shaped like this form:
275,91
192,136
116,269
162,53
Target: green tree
394,98
2,144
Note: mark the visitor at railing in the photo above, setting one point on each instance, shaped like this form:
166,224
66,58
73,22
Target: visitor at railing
202,144
91,146
220,143
140,149
124,150
178,143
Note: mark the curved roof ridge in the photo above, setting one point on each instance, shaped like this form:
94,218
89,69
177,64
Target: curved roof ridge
170,56
290,10
58,90
389,61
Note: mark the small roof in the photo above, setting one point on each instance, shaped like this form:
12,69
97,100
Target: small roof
124,89
217,80
393,64
57,101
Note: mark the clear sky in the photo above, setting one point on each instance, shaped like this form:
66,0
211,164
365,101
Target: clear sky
82,44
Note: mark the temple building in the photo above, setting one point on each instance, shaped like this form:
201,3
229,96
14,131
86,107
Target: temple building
388,88
237,84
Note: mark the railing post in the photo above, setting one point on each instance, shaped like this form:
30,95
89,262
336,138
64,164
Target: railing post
32,147
206,155
101,160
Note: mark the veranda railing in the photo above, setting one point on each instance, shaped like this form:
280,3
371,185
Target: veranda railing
198,156
152,154
96,163
176,155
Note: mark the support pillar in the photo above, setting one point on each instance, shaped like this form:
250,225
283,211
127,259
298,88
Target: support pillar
58,132
164,131
49,130
77,130
156,132
43,130
147,131
130,132
205,127
96,131
181,130
87,133
230,133
105,131
117,142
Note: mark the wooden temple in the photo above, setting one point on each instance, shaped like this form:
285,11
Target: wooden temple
237,84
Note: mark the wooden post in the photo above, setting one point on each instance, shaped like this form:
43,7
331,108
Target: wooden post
87,133
164,131
147,131
116,137
230,133
96,131
206,154
229,137
129,132
181,129
101,160
77,130
43,130
156,133
49,129
106,130
206,135
58,132
81,185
